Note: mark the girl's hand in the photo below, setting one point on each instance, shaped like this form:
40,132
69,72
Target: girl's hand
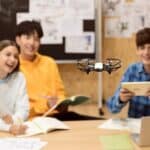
17,129
8,119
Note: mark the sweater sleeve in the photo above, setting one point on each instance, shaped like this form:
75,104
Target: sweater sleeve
114,104
59,84
21,110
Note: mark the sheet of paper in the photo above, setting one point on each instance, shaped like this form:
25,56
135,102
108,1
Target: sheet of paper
80,44
21,143
81,8
132,125
46,6
71,26
116,142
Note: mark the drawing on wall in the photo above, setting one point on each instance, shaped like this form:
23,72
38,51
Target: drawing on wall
123,18
80,44
111,7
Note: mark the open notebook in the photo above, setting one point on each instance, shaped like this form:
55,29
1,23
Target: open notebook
40,125
73,101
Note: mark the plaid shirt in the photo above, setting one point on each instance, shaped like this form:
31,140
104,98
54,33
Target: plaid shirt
139,105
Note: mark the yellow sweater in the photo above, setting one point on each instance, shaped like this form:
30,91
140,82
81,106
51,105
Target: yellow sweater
43,79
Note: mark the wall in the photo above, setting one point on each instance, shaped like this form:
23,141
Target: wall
79,83
123,48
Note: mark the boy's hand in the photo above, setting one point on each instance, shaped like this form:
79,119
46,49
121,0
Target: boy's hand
62,108
125,95
17,129
8,119
51,101
148,93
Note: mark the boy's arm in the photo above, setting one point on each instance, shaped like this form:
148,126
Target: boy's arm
114,103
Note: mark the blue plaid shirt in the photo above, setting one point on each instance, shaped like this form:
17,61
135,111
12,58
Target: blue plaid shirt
139,105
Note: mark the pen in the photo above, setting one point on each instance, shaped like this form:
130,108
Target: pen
50,110
19,121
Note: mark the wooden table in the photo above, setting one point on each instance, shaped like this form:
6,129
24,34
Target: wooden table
83,135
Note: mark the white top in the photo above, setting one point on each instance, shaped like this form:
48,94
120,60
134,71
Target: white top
13,99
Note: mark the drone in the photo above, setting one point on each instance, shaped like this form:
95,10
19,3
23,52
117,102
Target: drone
109,65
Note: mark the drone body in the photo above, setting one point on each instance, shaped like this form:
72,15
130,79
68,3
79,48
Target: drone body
110,65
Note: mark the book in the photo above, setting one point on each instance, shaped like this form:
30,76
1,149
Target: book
138,88
73,100
40,125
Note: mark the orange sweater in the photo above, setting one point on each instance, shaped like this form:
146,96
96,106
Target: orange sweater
43,79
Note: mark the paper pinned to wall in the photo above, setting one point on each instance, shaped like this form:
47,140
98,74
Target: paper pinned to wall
80,44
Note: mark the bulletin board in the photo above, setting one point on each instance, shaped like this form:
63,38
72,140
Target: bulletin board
69,25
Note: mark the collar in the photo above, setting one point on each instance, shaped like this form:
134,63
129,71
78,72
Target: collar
35,61
141,68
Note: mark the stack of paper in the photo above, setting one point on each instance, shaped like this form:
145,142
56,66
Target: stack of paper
132,125
21,144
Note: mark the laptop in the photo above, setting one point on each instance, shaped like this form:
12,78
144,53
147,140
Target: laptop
143,139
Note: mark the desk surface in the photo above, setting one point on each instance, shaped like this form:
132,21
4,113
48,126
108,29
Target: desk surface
83,135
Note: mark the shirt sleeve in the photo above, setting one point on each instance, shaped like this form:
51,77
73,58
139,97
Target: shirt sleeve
22,102
114,104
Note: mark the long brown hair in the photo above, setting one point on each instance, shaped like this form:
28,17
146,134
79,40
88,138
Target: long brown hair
6,43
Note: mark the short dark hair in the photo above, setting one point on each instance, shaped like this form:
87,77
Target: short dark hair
29,27
6,43
143,37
